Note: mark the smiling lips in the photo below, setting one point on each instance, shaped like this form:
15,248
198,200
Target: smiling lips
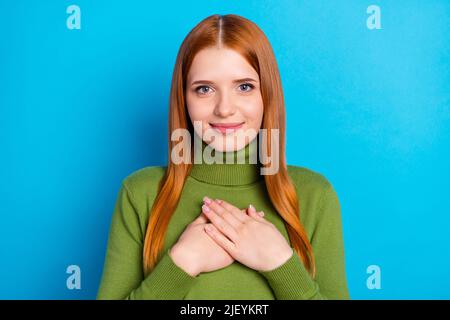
227,127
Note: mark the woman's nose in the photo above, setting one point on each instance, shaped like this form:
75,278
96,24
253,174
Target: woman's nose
225,106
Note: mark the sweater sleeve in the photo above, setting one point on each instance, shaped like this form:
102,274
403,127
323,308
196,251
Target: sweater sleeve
123,276
292,281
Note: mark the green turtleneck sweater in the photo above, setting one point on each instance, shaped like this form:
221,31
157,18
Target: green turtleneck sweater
241,185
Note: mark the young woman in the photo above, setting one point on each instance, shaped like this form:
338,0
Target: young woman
202,230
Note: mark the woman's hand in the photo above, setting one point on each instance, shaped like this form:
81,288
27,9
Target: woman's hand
248,238
196,252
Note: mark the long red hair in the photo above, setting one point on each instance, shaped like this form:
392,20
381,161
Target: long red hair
243,36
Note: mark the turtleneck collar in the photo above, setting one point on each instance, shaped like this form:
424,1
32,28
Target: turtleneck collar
233,173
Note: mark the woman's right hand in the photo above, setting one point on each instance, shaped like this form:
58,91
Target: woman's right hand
196,252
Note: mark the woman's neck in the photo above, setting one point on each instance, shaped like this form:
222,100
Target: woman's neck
229,168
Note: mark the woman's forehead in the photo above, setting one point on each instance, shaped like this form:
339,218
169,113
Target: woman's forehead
222,64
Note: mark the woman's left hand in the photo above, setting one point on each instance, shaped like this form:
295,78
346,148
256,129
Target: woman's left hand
248,238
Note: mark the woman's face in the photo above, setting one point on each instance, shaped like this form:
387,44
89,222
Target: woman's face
222,88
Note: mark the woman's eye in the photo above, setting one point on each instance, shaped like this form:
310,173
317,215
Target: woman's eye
203,89
246,86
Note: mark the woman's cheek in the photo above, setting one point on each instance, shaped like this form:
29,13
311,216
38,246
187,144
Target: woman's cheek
199,109
253,111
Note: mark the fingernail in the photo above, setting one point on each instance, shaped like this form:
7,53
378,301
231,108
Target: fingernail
219,201
207,200
251,207
261,213
205,208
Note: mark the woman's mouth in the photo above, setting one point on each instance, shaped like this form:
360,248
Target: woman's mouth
227,127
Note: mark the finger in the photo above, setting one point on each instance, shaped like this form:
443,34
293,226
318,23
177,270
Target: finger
223,213
237,213
258,215
221,224
220,239
202,218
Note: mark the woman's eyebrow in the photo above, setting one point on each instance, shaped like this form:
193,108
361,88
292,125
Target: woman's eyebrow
244,80
202,82
234,81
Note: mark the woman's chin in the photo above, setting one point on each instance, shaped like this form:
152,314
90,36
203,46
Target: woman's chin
227,144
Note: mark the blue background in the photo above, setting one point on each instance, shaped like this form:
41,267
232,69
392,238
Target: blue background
82,109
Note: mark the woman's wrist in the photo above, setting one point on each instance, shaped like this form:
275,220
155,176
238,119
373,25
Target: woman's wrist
182,262
282,260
